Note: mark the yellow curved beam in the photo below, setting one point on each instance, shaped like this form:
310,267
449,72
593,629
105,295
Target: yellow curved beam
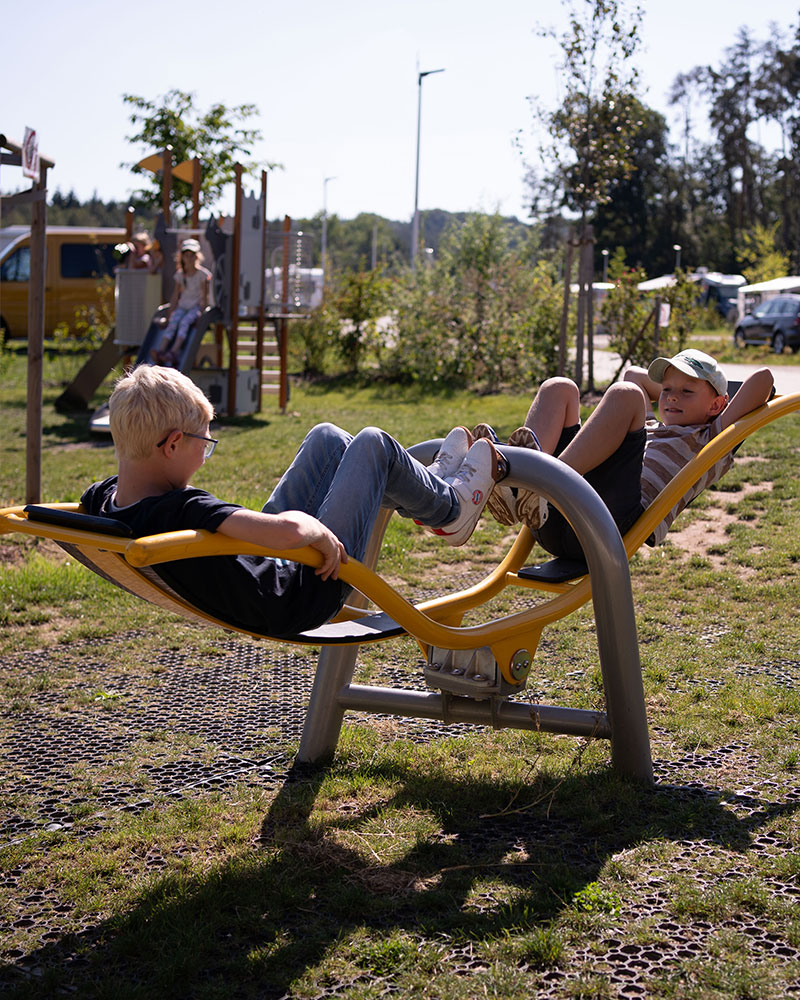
435,622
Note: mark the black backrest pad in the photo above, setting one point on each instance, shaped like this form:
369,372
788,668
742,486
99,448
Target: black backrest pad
72,519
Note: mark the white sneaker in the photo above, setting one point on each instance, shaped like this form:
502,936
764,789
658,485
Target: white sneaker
532,509
473,483
452,453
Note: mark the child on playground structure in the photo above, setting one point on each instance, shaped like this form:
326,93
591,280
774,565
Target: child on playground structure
139,258
189,299
623,451
328,498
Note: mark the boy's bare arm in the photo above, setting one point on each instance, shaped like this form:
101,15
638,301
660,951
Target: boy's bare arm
290,530
753,392
640,377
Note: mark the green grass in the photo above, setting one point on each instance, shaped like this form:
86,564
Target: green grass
460,865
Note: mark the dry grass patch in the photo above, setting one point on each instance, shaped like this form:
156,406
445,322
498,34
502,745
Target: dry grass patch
706,533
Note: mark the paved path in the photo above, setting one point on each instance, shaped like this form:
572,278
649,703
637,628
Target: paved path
787,377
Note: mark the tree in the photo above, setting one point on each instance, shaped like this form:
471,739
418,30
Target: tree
778,100
219,138
734,186
759,256
685,94
589,136
731,89
629,316
351,243
643,210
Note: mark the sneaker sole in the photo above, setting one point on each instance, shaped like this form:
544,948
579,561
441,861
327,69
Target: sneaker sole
485,431
532,509
502,505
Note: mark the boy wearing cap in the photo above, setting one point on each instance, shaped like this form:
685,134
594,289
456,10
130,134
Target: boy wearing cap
623,451
189,299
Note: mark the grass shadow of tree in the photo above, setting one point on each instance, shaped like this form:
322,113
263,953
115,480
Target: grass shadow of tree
255,925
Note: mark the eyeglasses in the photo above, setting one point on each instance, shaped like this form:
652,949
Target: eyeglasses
208,451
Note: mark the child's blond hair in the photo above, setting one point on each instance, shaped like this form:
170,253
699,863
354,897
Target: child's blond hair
151,402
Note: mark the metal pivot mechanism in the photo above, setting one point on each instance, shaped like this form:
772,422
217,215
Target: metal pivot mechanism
474,673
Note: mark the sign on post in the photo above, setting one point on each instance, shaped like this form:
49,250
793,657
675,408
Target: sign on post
30,154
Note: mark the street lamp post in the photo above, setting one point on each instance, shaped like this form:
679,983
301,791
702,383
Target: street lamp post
325,225
415,223
677,248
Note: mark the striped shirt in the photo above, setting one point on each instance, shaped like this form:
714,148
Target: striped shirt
667,451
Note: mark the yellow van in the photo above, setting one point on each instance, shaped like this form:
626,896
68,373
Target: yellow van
78,258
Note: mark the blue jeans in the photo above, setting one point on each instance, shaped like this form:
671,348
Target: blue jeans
179,323
344,481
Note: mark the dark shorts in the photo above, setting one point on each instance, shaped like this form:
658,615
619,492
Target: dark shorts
618,482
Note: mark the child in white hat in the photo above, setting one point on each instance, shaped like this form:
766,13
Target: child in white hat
189,299
623,451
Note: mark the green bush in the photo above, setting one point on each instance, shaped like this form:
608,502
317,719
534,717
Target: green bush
481,315
627,314
360,298
318,333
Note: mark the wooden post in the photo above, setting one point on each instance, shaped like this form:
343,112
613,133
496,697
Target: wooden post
581,320
283,395
166,184
33,464
196,193
37,198
233,332
562,341
589,254
263,289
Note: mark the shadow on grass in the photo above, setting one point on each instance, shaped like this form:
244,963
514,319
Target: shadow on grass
255,925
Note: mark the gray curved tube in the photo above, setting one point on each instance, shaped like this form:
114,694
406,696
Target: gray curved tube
617,641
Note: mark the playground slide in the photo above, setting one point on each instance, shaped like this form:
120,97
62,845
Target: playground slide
77,394
98,423
208,317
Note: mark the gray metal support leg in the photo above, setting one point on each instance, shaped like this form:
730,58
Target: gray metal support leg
335,667
617,640
323,721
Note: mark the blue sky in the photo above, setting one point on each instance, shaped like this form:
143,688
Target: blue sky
336,85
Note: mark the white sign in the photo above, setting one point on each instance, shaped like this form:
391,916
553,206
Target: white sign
30,154
663,319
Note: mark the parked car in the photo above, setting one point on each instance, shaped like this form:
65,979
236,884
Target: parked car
78,258
775,322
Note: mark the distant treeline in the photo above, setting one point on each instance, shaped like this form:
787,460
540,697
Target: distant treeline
352,244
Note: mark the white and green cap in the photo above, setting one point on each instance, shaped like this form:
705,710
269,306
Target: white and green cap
693,363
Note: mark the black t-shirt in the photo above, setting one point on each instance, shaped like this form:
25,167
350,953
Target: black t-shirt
267,596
